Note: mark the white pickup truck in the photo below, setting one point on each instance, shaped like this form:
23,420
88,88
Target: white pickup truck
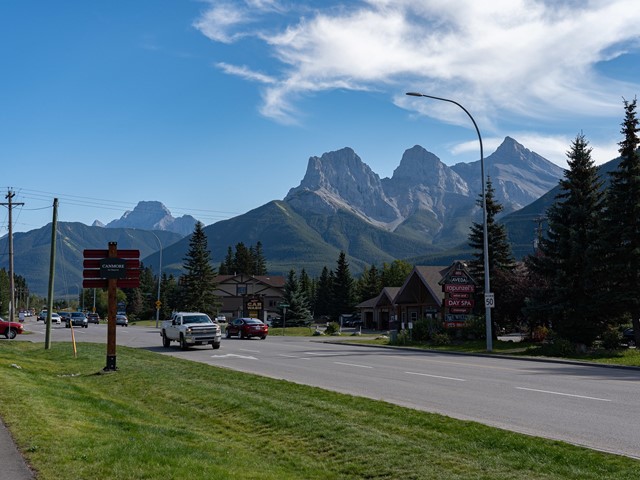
190,328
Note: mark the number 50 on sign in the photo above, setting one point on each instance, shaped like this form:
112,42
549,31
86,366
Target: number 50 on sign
489,300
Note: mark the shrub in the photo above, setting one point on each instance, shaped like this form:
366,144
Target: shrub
333,327
611,339
475,327
441,339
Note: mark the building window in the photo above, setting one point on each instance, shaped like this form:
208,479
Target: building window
241,289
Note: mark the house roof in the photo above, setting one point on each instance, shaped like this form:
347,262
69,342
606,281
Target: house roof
277,281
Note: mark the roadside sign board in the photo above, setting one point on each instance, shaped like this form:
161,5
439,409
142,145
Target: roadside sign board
489,300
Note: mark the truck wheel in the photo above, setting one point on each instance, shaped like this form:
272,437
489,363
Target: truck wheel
166,343
183,343
215,346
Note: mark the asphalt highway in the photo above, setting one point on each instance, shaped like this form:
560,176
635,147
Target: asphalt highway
588,405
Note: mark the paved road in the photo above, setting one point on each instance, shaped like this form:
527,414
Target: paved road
587,405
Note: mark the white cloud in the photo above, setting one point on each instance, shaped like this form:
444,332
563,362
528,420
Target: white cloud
507,57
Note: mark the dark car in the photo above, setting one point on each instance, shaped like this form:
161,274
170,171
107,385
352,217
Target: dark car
628,337
77,319
247,328
10,329
93,318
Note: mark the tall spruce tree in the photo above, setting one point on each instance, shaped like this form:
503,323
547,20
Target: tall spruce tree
500,256
199,280
296,298
622,224
343,288
369,284
569,254
324,293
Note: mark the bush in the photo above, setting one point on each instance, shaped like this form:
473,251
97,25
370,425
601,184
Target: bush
333,327
558,347
475,327
440,339
611,339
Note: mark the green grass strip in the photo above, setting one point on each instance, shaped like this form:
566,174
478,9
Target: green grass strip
159,417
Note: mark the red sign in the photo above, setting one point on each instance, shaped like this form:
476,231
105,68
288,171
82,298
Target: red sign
454,324
95,263
450,288
459,295
102,283
96,274
105,253
460,310
458,302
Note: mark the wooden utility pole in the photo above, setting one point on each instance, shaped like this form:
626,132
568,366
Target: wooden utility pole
52,263
12,286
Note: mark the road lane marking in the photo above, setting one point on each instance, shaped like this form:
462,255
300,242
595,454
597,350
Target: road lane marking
436,376
352,365
229,355
563,394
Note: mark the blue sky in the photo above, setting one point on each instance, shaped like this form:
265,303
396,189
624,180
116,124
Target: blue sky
214,107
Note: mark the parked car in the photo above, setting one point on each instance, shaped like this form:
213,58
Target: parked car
10,329
77,319
247,328
93,318
122,319
628,337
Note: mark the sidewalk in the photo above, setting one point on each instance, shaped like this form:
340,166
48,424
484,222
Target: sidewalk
12,465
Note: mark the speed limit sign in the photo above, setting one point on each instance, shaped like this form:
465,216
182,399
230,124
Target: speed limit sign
489,300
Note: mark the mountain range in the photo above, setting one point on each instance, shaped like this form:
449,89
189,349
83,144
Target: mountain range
423,211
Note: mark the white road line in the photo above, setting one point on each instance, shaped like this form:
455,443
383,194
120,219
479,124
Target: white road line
352,365
436,376
563,394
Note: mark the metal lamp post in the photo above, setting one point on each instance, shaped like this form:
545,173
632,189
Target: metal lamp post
159,280
488,303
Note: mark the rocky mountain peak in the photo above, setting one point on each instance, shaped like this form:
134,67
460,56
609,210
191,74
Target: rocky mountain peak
153,215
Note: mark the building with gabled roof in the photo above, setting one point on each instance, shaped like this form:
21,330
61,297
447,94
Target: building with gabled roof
256,296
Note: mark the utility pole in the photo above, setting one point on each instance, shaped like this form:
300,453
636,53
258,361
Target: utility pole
12,285
52,269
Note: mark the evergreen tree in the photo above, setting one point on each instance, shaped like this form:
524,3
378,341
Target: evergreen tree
198,282
500,256
622,224
294,296
343,289
369,284
569,252
395,274
324,293
260,263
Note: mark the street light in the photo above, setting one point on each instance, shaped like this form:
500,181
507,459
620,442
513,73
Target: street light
487,294
159,278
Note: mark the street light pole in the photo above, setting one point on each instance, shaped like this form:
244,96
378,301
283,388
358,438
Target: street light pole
485,233
159,279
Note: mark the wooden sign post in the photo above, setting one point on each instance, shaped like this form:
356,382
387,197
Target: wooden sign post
111,269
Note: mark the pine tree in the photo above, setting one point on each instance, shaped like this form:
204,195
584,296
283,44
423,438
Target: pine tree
260,263
324,293
394,274
622,224
199,281
500,256
298,309
569,252
369,284
343,288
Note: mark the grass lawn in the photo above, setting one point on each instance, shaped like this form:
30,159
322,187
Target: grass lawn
164,418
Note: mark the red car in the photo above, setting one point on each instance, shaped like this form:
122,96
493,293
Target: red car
10,329
247,328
